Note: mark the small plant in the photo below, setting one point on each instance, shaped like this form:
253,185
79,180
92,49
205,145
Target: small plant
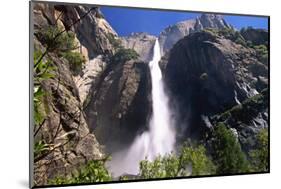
42,71
40,147
115,42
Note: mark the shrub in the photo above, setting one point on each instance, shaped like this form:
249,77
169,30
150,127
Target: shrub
55,40
262,53
123,55
197,158
259,156
228,155
228,33
75,61
190,161
93,171
115,42
161,167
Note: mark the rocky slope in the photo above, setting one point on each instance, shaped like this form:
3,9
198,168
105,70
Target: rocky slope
65,126
207,74
169,36
115,90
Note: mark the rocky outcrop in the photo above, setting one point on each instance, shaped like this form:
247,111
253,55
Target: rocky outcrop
207,74
87,23
246,119
173,33
65,129
89,76
142,43
120,105
91,33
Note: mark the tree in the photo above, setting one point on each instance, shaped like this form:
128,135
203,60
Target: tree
259,156
93,171
228,155
123,55
190,161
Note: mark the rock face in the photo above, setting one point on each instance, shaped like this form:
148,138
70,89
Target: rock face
246,119
65,127
207,74
142,43
89,76
93,38
120,105
173,33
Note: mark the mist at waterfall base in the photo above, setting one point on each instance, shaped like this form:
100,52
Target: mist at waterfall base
159,139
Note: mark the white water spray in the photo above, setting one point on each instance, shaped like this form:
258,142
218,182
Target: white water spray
160,138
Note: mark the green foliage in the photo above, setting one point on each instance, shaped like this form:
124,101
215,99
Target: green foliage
197,157
262,53
123,55
39,113
115,42
228,155
56,40
162,167
228,33
190,161
259,156
40,147
248,109
93,171
124,178
75,60
249,44
42,71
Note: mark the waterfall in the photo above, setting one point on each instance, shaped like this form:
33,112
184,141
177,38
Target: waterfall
160,138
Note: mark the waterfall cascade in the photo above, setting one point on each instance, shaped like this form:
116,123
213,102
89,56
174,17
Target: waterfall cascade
160,137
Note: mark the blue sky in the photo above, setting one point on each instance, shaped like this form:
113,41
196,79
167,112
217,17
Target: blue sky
128,20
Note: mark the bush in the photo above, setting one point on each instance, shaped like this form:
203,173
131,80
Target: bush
190,161
161,167
93,171
228,155
115,42
123,55
262,53
51,37
197,158
75,61
228,33
259,156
